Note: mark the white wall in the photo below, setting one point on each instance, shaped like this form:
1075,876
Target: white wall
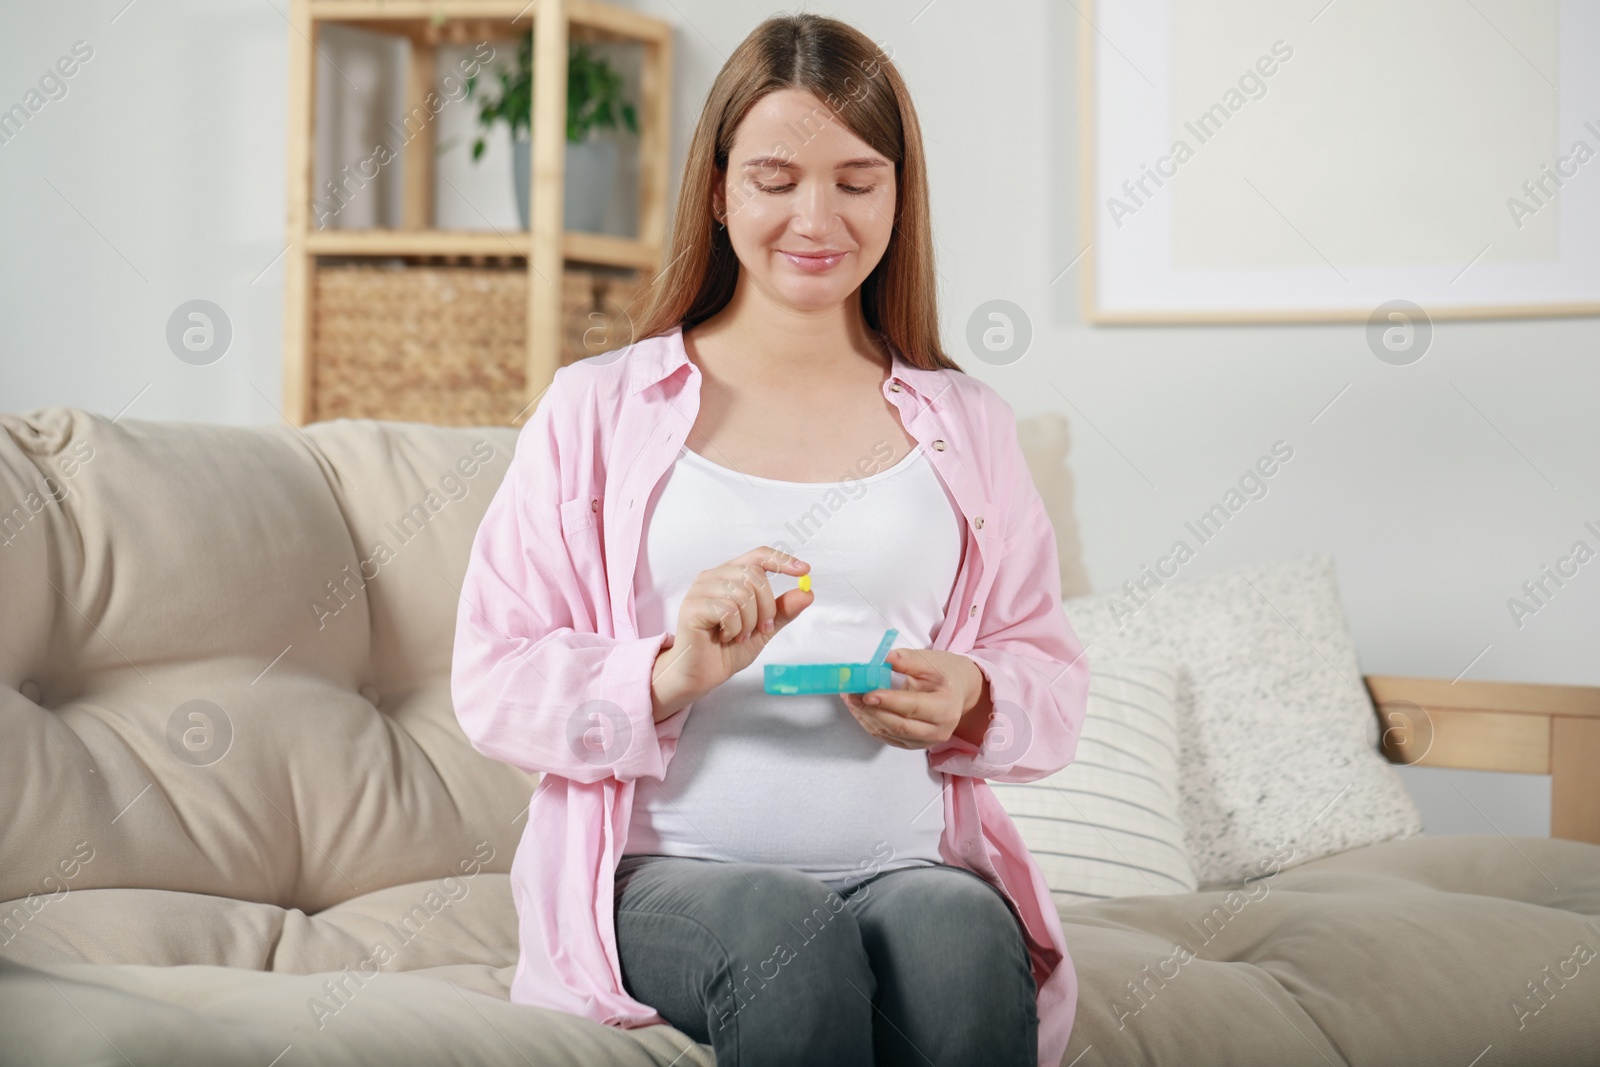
1439,487
157,179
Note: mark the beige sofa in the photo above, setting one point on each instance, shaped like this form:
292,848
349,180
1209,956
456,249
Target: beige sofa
243,827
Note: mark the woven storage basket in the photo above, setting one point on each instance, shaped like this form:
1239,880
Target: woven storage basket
445,345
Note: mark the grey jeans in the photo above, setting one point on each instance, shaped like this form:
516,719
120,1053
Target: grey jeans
917,965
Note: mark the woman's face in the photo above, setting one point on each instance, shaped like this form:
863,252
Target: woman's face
809,206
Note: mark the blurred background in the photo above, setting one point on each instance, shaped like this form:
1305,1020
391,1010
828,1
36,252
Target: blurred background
154,176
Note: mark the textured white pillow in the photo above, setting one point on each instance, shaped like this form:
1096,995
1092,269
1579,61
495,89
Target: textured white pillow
1106,825
1279,761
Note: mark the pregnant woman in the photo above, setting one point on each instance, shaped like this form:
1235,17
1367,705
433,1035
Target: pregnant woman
796,879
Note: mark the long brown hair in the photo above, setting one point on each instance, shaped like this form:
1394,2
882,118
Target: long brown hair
861,87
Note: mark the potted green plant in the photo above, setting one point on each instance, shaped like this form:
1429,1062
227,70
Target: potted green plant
594,102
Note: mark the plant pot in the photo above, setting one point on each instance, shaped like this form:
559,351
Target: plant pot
591,173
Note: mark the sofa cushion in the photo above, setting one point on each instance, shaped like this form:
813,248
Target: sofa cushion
412,497
460,918
1413,951
224,660
1416,951
1280,740
202,1016
1107,824
1045,440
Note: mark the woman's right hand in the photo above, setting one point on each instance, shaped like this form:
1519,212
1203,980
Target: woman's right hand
727,617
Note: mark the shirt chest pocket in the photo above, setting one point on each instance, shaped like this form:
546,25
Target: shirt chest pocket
580,530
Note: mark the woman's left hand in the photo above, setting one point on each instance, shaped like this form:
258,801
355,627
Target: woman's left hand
942,687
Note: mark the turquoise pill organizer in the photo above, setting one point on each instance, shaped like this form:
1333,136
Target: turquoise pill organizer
790,679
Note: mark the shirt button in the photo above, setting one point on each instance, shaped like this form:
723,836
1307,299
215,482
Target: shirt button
974,612
894,387
594,505
939,445
978,522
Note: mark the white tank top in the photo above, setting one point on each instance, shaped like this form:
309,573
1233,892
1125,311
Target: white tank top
796,780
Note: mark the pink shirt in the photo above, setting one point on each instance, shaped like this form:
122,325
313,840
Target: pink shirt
551,675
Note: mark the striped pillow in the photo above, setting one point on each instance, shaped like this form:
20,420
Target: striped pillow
1106,825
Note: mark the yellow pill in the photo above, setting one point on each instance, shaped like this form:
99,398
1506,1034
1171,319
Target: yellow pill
805,583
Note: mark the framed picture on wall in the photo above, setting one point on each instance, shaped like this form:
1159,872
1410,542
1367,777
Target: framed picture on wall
1262,161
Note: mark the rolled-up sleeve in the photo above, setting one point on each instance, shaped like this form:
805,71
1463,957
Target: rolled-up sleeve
533,684
1035,665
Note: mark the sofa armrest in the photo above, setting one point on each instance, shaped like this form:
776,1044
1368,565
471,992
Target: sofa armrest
1501,726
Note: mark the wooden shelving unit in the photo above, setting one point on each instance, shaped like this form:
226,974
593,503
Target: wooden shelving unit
545,250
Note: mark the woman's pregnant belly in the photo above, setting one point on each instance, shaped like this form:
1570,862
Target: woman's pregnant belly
790,780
